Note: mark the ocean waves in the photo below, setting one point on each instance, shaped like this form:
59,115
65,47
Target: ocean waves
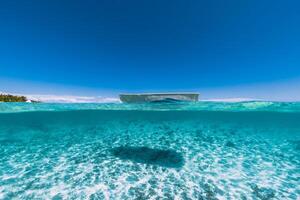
183,106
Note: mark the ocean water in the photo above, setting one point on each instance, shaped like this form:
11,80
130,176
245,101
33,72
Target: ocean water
205,150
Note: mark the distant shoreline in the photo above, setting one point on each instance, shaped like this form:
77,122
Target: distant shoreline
12,98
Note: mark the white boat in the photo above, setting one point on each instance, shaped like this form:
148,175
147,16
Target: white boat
158,97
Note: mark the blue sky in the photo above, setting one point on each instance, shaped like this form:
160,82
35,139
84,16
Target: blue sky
105,47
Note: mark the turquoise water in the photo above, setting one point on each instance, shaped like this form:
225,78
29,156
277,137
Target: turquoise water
202,150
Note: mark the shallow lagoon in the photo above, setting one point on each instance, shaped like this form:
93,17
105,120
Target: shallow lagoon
161,152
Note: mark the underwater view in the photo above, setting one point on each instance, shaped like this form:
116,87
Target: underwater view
203,150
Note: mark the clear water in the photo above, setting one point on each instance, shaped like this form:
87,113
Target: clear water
203,150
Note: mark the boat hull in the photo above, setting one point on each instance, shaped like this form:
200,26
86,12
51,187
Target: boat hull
158,97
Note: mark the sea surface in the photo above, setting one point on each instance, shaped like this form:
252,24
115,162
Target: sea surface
203,150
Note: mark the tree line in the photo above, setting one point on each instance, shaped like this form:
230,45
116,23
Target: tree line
12,98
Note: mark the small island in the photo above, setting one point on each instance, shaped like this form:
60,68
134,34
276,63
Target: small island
12,98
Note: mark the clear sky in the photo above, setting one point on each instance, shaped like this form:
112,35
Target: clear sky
153,45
